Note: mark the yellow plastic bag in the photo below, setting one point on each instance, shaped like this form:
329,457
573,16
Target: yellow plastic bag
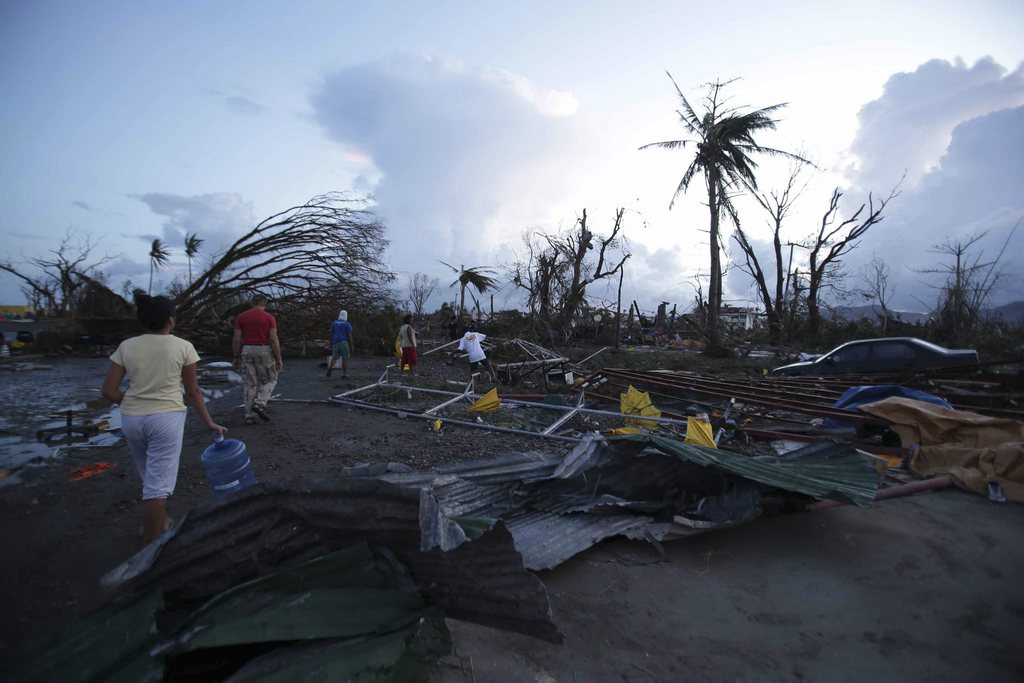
488,403
635,402
698,433
398,347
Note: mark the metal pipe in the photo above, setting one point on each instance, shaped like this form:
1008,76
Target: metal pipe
568,416
464,423
601,350
438,348
934,484
468,391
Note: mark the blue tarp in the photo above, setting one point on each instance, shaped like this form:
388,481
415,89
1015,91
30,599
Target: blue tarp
854,397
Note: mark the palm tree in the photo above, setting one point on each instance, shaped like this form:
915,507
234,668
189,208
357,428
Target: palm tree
192,244
477,276
724,141
158,256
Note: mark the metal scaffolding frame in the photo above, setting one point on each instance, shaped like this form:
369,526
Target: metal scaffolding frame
468,394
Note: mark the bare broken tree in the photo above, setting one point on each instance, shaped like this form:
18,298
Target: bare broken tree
832,242
60,276
969,281
878,288
329,248
773,276
421,287
538,271
555,270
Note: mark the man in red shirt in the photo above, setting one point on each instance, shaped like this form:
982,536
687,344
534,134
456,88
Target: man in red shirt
258,357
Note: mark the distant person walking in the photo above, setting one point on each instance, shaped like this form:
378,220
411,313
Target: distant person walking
258,356
407,341
471,343
152,409
453,328
341,344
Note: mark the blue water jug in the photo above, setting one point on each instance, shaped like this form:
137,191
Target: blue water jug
227,466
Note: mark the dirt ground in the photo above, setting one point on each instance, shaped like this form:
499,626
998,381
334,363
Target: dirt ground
928,588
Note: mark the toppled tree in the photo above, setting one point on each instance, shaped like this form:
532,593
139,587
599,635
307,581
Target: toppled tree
328,250
832,242
555,270
724,140
62,275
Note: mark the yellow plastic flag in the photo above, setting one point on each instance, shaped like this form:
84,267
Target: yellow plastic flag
635,402
488,403
698,433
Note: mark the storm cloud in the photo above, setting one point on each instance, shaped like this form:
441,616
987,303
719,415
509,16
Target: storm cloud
959,133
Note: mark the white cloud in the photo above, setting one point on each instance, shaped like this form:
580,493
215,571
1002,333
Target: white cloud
217,218
911,125
463,157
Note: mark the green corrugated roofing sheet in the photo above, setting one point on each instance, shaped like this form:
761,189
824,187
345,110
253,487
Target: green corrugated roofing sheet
339,617
824,470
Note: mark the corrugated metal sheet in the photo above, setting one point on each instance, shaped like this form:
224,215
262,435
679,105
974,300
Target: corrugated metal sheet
546,540
266,527
639,486
601,489
356,613
823,470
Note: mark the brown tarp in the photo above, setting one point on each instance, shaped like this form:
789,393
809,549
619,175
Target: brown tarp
973,449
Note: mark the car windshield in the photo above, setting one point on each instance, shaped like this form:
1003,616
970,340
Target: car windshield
846,354
928,345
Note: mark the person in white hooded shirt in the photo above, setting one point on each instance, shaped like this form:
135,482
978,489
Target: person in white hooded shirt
471,343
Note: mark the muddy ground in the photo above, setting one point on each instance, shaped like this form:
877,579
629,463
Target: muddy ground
929,588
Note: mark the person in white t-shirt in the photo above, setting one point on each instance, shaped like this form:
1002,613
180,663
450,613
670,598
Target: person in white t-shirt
153,409
471,343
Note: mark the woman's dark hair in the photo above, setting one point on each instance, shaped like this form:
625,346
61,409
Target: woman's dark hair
153,311
407,320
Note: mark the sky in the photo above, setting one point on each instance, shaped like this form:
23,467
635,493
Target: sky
468,125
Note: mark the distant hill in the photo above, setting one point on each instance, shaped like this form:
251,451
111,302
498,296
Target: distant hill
1010,313
871,312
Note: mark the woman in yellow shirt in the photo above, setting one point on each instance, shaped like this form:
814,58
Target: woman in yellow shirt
153,409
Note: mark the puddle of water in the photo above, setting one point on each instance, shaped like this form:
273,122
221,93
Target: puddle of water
31,401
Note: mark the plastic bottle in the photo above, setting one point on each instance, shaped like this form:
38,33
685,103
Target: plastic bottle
227,466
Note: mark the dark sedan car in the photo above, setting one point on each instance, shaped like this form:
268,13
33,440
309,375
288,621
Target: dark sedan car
881,356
